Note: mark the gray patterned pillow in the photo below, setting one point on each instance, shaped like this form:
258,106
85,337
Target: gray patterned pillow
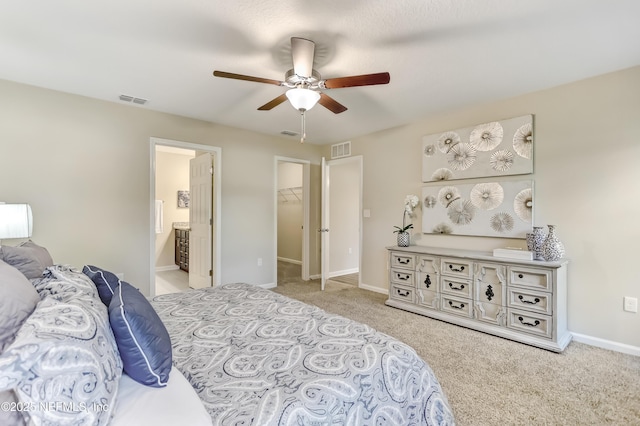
64,357
28,257
18,299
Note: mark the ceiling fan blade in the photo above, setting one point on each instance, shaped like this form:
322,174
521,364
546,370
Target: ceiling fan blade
302,51
358,80
273,103
331,104
224,74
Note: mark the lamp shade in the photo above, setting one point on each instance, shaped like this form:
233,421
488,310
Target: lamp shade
302,99
16,221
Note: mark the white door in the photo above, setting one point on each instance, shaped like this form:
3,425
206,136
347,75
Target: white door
201,221
324,224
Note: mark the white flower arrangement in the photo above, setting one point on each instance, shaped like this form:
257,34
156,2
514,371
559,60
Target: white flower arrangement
410,203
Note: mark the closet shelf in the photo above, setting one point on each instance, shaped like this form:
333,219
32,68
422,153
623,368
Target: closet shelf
293,193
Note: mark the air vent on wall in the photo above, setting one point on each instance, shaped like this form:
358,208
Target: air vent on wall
340,150
289,133
127,98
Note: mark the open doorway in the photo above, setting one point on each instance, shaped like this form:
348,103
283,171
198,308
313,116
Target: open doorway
292,219
342,220
172,206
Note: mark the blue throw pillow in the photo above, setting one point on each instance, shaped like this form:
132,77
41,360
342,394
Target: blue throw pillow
142,338
106,282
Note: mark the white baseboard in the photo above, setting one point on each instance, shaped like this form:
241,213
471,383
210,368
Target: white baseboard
606,344
343,272
267,286
295,262
374,288
315,277
166,268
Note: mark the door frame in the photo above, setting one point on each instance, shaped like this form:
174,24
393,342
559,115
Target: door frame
326,219
217,214
306,185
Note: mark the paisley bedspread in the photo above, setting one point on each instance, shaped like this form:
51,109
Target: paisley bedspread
259,358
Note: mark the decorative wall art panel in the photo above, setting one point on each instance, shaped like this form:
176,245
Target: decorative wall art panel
489,209
500,148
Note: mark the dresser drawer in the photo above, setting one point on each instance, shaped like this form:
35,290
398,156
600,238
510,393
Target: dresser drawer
403,277
457,268
530,300
428,299
402,260
531,323
456,287
456,305
539,279
400,292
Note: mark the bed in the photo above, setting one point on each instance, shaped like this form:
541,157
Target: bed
257,357
235,354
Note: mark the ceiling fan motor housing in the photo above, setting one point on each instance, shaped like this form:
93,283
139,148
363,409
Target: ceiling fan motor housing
291,79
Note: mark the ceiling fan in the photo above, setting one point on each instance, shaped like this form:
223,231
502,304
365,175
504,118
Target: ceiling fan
305,84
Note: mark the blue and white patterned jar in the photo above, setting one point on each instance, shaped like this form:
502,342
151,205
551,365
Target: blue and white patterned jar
535,240
552,249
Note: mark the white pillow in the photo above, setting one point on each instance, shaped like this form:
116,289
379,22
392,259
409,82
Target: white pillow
175,404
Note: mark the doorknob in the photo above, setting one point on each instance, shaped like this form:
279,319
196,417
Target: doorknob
323,230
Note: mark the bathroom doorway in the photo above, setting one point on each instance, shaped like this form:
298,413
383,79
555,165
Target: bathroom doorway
172,248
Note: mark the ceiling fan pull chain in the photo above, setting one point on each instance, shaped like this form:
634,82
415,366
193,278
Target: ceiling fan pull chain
304,131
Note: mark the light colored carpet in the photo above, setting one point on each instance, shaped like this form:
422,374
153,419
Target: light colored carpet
493,381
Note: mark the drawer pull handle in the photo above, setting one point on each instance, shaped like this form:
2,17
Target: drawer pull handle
461,306
456,270
536,300
535,324
520,276
427,281
403,293
403,277
404,260
489,293
456,288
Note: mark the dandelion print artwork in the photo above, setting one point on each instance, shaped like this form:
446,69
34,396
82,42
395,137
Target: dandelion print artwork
487,196
442,228
501,160
502,222
448,140
523,141
430,201
430,150
461,156
448,195
461,212
523,204
442,174
497,148
501,209
486,137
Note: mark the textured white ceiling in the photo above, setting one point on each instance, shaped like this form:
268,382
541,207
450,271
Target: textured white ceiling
441,54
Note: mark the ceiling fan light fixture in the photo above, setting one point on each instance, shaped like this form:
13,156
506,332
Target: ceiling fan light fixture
303,99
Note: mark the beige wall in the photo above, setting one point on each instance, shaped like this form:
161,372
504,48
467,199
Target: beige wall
83,165
172,175
586,173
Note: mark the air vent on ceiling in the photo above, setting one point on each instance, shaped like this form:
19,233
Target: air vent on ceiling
127,98
340,150
289,133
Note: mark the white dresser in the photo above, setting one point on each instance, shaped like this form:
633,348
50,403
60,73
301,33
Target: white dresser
521,300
